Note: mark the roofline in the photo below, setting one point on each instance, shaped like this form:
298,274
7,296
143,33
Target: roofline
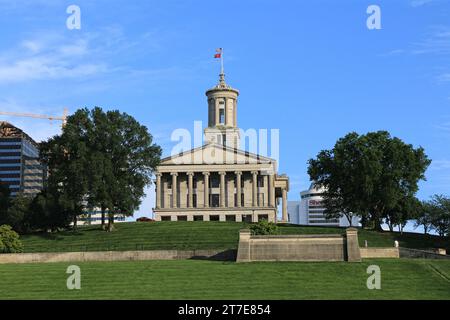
236,150
23,133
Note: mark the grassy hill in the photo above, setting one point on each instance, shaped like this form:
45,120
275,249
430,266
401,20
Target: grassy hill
201,279
194,235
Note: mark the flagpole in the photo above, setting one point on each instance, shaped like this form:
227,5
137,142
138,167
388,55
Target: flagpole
221,61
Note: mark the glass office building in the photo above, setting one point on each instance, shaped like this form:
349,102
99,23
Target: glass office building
20,168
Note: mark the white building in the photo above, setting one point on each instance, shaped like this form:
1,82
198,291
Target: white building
310,211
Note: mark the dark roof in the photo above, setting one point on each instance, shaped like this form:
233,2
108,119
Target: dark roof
7,130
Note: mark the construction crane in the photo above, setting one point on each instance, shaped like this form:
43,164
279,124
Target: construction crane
38,116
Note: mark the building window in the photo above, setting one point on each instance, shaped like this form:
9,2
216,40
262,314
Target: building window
165,218
198,218
262,217
194,200
222,116
230,217
169,183
242,200
247,218
260,181
215,200
194,183
215,181
182,218
214,218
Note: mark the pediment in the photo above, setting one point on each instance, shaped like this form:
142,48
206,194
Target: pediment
215,154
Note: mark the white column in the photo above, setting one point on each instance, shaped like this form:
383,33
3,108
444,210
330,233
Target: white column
190,189
174,189
158,191
271,191
217,113
222,188
284,206
255,188
206,187
238,188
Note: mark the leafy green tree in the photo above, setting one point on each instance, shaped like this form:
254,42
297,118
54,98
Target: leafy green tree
4,201
407,208
424,218
18,212
51,211
9,240
102,159
131,158
440,214
370,175
67,159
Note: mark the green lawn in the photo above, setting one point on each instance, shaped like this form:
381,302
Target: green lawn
201,279
194,235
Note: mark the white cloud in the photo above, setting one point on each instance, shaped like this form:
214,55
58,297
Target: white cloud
445,77
437,42
440,165
419,3
444,126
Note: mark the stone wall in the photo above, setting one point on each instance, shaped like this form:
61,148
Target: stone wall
368,253
117,256
325,247
422,254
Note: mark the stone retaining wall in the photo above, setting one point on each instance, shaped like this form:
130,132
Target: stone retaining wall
422,254
368,253
117,256
324,247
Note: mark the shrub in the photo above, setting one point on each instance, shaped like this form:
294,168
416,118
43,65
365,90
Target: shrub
9,240
264,228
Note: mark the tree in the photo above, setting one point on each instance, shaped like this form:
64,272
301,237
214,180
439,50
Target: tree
68,163
406,209
102,159
440,214
129,160
425,217
18,212
9,240
370,175
51,211
4,201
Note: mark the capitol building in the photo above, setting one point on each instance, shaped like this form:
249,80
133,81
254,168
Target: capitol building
218,181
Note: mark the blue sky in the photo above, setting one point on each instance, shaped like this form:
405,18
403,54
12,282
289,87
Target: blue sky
311,69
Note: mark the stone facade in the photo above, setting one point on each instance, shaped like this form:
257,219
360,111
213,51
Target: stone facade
323,247
219,181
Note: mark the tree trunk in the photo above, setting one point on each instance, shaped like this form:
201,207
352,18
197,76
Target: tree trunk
349,218
75,220
110,222
103,217
391,227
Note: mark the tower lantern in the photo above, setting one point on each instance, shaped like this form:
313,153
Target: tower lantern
222,114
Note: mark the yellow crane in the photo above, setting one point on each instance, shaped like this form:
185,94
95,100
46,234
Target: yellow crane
63,118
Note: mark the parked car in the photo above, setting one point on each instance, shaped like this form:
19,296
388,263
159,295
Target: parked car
144,219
